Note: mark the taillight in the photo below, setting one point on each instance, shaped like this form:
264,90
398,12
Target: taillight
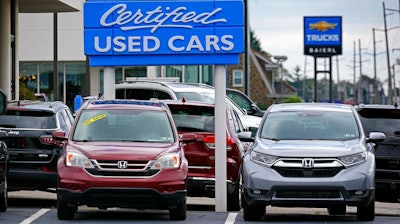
209,141
46,139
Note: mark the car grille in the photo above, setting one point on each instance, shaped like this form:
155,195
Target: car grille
293,167
308,194
392,164
110,168
291,172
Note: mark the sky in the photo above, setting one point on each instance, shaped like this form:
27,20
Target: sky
278,24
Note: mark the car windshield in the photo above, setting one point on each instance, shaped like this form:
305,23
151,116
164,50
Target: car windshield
29,119
310,125
123,125
386,121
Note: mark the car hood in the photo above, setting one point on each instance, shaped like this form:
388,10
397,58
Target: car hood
309,148
250,120
124,150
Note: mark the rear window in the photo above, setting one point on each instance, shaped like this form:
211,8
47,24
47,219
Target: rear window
382,120
193,118
28,119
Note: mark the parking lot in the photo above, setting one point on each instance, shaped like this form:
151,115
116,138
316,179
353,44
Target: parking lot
39,207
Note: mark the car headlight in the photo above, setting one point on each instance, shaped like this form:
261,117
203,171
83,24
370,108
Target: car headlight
355,159
167,161
78,159
262,159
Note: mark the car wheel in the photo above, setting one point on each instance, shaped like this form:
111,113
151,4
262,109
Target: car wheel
178,213
4,197
65,212
233,199
366,212
252,212
337,210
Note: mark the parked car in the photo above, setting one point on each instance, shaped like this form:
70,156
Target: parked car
310,155
122,153
146,90
33,155
198,118
243,101
4,160
386,119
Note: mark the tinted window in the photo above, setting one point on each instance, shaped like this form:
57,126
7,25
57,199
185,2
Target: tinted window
382,120
138,94
28,119
193,118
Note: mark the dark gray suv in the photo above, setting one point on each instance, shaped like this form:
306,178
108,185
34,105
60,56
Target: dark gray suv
386,119
33,155
310,155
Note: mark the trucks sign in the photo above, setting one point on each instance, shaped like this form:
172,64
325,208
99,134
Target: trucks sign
323,36
148,32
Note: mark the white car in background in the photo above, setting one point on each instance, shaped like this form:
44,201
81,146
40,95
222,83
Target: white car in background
152,89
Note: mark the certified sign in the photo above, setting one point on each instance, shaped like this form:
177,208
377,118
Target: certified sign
323,36
148,32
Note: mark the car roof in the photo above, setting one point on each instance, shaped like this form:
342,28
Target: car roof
310,106
125,104
36,105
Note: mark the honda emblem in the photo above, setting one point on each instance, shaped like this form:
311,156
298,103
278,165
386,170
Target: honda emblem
307,163
122,164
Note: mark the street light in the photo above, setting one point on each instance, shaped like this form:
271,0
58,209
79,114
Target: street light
280,59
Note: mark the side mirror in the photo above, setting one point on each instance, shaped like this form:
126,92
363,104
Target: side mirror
246,136
3,103
376,137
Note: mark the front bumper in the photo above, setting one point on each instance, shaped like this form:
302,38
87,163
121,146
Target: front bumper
123,198
352,186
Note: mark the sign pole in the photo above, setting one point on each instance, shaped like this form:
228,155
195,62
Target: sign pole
109,83
220,139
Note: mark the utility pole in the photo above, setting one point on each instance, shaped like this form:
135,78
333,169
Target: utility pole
390,91
338,81
280,59
360,83
354,74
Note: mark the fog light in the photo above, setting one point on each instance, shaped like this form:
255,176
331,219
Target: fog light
257,192
359,192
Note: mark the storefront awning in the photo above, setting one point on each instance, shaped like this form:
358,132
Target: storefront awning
43,6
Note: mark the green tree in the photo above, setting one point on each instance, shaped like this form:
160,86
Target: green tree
25,93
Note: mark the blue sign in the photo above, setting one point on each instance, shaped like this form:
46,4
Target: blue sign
323,36
170,32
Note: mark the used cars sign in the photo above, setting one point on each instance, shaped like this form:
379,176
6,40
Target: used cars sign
323,36
147,32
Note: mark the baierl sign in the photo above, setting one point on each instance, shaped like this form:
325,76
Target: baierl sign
145,32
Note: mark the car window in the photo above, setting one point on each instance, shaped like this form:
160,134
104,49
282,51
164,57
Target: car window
239,100
381,120
28,119
318,125
193,118
124,125
196,96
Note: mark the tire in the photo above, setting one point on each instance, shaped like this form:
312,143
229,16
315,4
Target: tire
178,213
366,212
4,197
65,212
337,210
233,199
252,212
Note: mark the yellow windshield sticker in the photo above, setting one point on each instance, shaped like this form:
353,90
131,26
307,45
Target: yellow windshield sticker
91,120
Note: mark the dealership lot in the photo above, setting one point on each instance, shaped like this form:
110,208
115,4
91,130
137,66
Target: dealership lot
40,207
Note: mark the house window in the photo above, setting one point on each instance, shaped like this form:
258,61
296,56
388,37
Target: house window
237,78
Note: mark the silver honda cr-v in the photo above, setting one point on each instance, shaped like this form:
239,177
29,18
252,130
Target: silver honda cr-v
310,155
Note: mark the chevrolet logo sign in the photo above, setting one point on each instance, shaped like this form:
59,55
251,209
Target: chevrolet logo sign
322,26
